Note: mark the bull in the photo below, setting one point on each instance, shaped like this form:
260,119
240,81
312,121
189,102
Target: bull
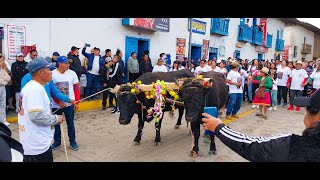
128,102
196,95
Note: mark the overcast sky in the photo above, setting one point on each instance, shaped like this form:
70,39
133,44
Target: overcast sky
313,21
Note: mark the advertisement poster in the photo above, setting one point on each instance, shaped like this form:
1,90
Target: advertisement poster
161,24
205,49
16,39
180,48
198,26
285,54
263,23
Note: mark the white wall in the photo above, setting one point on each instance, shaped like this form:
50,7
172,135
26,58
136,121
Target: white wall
294,36
273,25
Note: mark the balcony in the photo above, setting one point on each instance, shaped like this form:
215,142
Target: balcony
257,36
245,33
279,44
220,26
269,41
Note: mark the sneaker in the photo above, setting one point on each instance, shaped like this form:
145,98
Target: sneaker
253,106
298,109
228,117
275,108
290,108
285,105
118,112
279,104
235,116
74,146
55,146
113,111
6,123
270,108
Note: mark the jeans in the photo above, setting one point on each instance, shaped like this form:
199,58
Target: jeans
234,103
250,92
282,93
69,115
293,94
274,98
93,82
44,157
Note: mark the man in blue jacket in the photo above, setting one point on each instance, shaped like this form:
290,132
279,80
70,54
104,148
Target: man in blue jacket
95,61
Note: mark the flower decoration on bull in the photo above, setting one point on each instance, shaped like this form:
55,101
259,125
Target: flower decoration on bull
159,92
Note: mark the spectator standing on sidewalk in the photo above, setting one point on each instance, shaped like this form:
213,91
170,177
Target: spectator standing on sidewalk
105,71
4,79
133,67
75,64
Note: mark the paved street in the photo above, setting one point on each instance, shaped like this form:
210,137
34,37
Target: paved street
101,138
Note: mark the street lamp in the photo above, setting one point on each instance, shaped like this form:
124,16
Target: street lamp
190,36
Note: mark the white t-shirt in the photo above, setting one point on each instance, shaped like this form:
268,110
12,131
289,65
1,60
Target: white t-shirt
235,77
64,82
171,69
35,139
224,71
217,69
275,84
200,70
279,66
316,79
95,66
243,76
297,78
158,68
283,75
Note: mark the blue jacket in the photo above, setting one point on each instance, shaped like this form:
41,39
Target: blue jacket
49,87
90,59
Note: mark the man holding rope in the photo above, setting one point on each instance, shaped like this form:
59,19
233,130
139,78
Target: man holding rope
36,124
67,82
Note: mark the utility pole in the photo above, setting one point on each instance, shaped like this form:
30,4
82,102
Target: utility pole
190,36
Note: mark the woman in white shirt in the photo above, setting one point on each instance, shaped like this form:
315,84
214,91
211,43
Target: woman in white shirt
192,67
214,67
222,66
160,67
174,66
283,73
315,78
202,68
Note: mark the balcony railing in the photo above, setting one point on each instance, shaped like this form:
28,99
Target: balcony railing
269,41
279,44
257,36
220,26
245,33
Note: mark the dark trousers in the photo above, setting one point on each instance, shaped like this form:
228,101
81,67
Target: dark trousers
255,86
92,84
133,77
69,114
245,92
294,94
44,157
282,94
105,96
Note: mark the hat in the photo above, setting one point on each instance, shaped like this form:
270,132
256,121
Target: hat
108,59
62,59
234,64
37,64
73,48
20,54
95,48
265,70
299,62
55,54
314,100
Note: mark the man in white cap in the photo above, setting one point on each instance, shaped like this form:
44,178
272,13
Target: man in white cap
296,82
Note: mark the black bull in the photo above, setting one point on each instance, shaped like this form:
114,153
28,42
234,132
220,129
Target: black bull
128,106
196,96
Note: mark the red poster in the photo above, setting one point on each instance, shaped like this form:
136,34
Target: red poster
263,23
285,54
144,22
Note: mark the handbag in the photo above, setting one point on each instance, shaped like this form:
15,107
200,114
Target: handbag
261,91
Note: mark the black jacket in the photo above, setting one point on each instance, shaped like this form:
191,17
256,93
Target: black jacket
145,66
117,75
75,65
18,70
285,148
104,74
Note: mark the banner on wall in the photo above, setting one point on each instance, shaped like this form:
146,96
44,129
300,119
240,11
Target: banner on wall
263,23
285,55
180,48
160,24
205,49
198,26
16,38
